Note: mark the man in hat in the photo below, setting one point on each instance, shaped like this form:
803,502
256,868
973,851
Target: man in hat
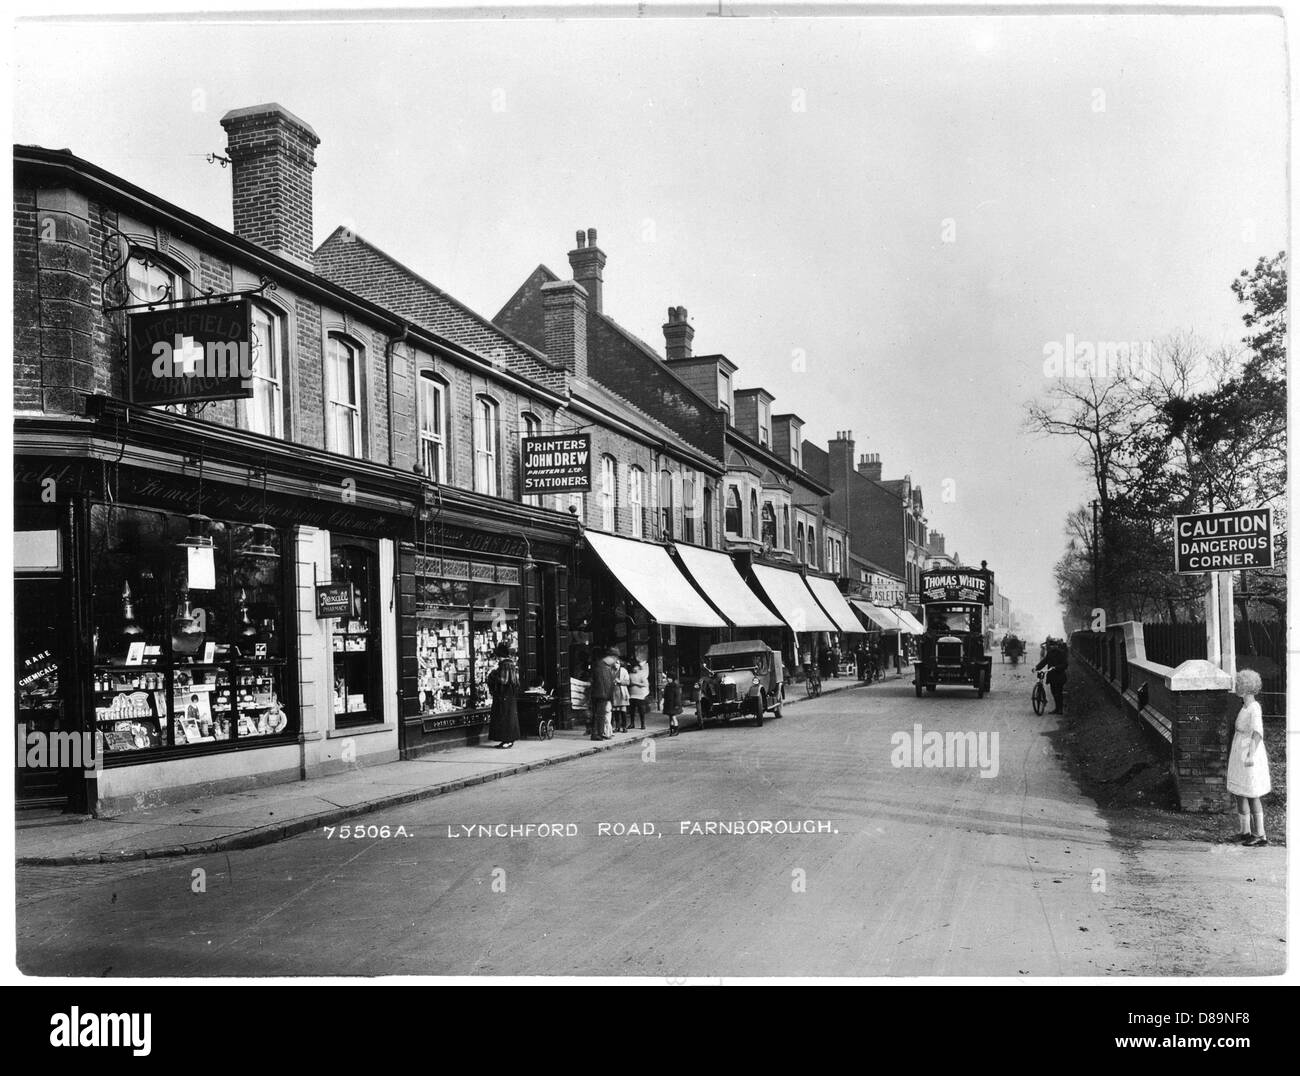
604,678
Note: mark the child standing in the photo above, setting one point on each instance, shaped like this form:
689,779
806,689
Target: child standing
621,699
1248,777
672,702
638,689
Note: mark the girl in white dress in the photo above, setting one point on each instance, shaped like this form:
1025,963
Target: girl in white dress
1248,778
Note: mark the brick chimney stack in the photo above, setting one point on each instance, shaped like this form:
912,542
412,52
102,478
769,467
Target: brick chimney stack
840,458
936,543
272,154
678,334
588,264
564,313
869,466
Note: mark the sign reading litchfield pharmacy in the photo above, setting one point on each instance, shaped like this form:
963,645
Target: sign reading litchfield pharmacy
955,585
187,354
333,599
1223,541
559,463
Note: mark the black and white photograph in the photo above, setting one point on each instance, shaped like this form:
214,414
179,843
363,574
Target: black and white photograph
685,494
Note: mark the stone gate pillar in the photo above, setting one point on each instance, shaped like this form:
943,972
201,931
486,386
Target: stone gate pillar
1203,712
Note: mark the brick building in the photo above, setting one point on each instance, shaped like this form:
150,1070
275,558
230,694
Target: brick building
168,554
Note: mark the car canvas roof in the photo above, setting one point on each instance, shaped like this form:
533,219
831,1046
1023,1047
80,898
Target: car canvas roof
744,646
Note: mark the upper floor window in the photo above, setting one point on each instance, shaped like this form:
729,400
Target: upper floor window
487,446
764,423
608,493
152,280
708,516
769,524
724,393
343,367
264,413
530,426
665,504
433,405
798,541
830,555
733,523
635,496
812,545
688,509
753,514
785,526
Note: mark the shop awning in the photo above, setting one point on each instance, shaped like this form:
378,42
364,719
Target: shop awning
910,624
828,594
882,618
716,575
792,599
648,573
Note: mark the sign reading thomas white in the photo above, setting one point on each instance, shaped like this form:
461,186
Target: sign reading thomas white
187,354
955,585
557,463
1223,541
333,599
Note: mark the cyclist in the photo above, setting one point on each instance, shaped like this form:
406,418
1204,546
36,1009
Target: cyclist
1055,660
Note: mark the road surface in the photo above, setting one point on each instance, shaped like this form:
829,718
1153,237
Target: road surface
850,860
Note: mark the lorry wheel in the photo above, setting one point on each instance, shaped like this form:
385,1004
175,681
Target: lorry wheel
979,690
930,688
918,688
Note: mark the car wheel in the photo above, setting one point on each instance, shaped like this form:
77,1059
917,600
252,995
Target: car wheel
777,712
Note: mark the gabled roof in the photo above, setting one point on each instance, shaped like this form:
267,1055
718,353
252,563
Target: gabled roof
353,262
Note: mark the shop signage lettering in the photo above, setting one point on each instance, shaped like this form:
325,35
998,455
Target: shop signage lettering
556,463
955,586
183,354
38,667
1223,541
453,721
497,544
333,599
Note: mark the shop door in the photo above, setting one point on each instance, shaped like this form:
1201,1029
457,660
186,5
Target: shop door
43,633
357,648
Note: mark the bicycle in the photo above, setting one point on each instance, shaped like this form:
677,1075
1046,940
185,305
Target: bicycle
812,681
1039,695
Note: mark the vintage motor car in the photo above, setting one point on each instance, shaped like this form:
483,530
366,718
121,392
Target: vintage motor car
742,679
952,649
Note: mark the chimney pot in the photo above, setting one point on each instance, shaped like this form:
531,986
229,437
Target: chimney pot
588,264
678,334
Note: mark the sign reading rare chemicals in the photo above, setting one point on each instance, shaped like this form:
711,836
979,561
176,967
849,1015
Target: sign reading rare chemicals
187,354
955,585
558,463
333,599
1223,541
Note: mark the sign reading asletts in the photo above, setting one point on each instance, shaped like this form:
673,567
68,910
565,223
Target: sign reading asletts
1223,541
556,463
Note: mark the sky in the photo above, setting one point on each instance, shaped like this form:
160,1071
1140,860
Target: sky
884,221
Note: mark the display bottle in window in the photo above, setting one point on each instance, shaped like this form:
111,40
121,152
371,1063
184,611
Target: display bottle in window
187,629
131,631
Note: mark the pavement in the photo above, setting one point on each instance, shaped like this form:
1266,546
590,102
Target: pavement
262,816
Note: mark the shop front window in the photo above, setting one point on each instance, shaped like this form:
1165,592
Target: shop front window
464,611
355,642
188,635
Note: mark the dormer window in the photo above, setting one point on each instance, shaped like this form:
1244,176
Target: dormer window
764,423
795,447
724,394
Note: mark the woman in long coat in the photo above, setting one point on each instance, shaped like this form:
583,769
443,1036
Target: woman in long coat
503,683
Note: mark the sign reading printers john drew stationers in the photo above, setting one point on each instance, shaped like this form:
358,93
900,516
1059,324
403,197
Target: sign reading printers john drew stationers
1223,541
557,463
184,354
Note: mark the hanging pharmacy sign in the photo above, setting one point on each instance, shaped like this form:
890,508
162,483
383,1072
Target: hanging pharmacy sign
557,463
189,354
1223,541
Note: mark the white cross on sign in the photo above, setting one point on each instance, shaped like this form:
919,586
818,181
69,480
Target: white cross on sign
187,356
